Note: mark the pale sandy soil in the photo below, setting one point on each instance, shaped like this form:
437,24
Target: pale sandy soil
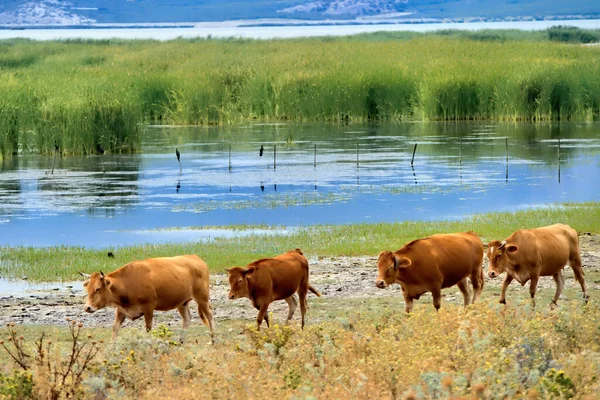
337,278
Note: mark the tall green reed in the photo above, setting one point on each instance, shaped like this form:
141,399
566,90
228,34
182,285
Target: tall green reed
82,94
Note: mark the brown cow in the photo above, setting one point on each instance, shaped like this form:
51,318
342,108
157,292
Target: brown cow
432,264
269,279
141,287
528,254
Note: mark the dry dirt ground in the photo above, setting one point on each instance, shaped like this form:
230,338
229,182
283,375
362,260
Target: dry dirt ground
339,279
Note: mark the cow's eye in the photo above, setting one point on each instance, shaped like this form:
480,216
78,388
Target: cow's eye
498,255
240,280
97,290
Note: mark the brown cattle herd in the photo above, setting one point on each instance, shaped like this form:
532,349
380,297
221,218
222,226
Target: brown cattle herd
423,265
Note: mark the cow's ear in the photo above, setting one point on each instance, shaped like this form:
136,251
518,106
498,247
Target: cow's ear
493,243
86,283
248,272
86,276
107,283
381,254
401,262
227,270
512,248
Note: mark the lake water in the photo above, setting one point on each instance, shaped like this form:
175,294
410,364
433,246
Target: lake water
233,29
459,169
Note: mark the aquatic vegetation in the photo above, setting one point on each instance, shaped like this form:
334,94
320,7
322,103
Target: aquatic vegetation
270,200
79,94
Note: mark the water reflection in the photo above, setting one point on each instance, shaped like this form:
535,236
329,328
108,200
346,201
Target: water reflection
82,184
363,173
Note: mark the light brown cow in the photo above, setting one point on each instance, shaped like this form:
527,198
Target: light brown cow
528,254
269,279
141,287
432,264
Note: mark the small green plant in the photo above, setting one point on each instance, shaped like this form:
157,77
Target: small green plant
557,383
163,332
17,386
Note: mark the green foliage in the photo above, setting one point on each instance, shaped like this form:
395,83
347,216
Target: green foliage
558,384
16,386
163,332
572,34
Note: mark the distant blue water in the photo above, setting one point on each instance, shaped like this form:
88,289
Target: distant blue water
229,29
81,205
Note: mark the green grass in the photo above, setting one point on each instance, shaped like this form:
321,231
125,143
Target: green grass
79,94
64,263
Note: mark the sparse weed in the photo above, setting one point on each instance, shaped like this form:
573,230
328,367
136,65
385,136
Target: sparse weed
485,351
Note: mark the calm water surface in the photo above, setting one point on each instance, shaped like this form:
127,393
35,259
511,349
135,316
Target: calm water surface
459,169
229,29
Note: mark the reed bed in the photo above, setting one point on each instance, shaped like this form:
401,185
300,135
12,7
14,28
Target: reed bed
79,94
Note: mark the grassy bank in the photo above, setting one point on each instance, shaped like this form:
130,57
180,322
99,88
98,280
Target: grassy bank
77,95
64,263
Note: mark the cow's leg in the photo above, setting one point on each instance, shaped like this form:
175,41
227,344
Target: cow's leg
148,315
119,318
477,281
205,311
302,298
560,284
575,264
437,298
262,314
408,301
533,288
464,289
184,311
507,280
292,304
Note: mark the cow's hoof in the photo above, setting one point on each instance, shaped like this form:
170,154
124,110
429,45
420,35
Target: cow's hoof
503,302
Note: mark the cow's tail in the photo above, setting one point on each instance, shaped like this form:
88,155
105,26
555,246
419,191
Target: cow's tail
312,289
203,316
481,277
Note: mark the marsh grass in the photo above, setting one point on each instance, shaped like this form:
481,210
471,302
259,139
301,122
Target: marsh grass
64,263
81,93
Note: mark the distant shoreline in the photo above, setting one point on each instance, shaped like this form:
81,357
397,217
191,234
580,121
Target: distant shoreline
268,29
280,22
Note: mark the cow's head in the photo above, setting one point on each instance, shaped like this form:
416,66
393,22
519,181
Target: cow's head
499,254
98,291
389,264
238,281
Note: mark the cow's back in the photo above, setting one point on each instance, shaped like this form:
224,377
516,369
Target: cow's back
170,279
552,246
280,276
448,258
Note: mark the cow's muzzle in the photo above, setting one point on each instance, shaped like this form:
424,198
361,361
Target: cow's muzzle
89,309
492,274
380,284
231,296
